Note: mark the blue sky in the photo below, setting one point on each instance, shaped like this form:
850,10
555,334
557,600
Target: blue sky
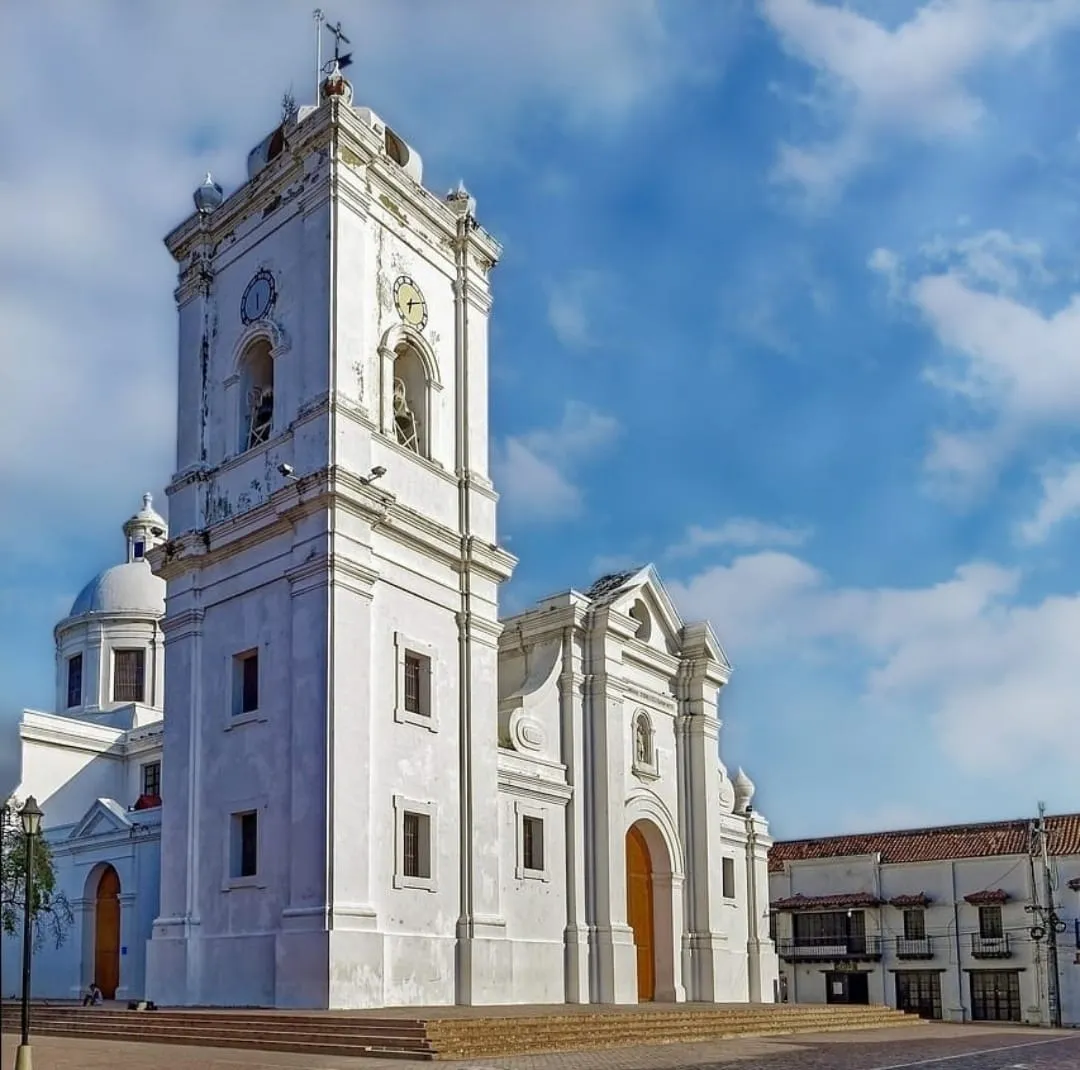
790,305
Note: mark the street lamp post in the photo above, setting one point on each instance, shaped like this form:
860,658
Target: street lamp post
30,817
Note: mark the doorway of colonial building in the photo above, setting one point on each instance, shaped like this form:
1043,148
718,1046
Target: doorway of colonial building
107,933
919,992
841,987
995,996
639,910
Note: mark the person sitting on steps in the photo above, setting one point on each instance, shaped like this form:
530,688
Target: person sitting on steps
93,997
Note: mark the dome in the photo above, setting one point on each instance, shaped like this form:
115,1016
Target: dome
128,588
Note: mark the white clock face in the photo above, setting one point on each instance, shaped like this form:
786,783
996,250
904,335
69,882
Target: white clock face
258,298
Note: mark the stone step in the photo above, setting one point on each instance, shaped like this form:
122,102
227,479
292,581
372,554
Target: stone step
149,1021
306,1045
460,1036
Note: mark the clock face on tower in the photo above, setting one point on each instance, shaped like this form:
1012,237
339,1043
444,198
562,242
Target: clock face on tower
258,298
410,303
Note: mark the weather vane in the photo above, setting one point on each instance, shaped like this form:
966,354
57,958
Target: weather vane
339,60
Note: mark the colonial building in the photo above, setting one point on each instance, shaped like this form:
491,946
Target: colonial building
946,922
375,791
95,764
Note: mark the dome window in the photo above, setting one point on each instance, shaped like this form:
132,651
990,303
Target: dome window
74,681
138,550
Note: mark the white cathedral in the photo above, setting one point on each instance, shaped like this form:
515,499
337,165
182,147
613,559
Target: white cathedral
355,785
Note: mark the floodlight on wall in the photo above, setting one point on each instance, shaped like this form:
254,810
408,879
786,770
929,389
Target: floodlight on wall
376,473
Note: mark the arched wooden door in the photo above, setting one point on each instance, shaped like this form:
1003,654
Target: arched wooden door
639,910
107,934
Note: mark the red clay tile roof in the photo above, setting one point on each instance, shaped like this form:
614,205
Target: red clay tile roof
919,899
987,898
934,844
841,901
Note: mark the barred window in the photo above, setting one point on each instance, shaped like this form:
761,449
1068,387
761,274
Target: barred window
416,846
129,672
414,678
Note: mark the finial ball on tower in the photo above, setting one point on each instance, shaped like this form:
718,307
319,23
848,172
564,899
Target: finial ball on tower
461,201
337,85
209,196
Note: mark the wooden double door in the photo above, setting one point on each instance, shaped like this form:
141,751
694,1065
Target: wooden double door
107,934
639,910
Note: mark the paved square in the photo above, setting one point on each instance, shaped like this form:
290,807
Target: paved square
950,1047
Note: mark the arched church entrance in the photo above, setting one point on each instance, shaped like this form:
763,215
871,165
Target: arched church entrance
639,910
107,933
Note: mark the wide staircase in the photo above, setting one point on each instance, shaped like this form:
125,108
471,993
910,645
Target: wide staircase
447,1033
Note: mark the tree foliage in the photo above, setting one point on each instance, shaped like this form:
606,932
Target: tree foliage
50,910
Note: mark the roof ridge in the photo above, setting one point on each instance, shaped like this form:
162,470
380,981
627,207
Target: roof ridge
969,826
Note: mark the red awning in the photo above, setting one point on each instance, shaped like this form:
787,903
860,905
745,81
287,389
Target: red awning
987,898
917,899
841,901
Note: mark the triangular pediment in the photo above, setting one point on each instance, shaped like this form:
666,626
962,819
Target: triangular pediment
105,816
668,631
646,588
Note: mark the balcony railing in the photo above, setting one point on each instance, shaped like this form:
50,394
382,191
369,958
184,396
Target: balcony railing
990,947
918,948
822,948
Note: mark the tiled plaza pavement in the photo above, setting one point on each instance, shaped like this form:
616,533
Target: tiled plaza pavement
947,1047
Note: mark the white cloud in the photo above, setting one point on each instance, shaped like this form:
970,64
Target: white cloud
888,265
739,531
1060,502
533,471
569,305
993,258
1006,364
995,676
909,80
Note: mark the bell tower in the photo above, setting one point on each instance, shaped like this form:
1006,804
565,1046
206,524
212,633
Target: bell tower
331,627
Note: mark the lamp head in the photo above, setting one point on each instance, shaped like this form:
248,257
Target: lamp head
30,815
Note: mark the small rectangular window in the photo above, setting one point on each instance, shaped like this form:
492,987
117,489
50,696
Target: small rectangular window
416,685
151,778
129,673
728,877
138,549
416,845
914,925
74,681
245,844
532,843
990,924
245,683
